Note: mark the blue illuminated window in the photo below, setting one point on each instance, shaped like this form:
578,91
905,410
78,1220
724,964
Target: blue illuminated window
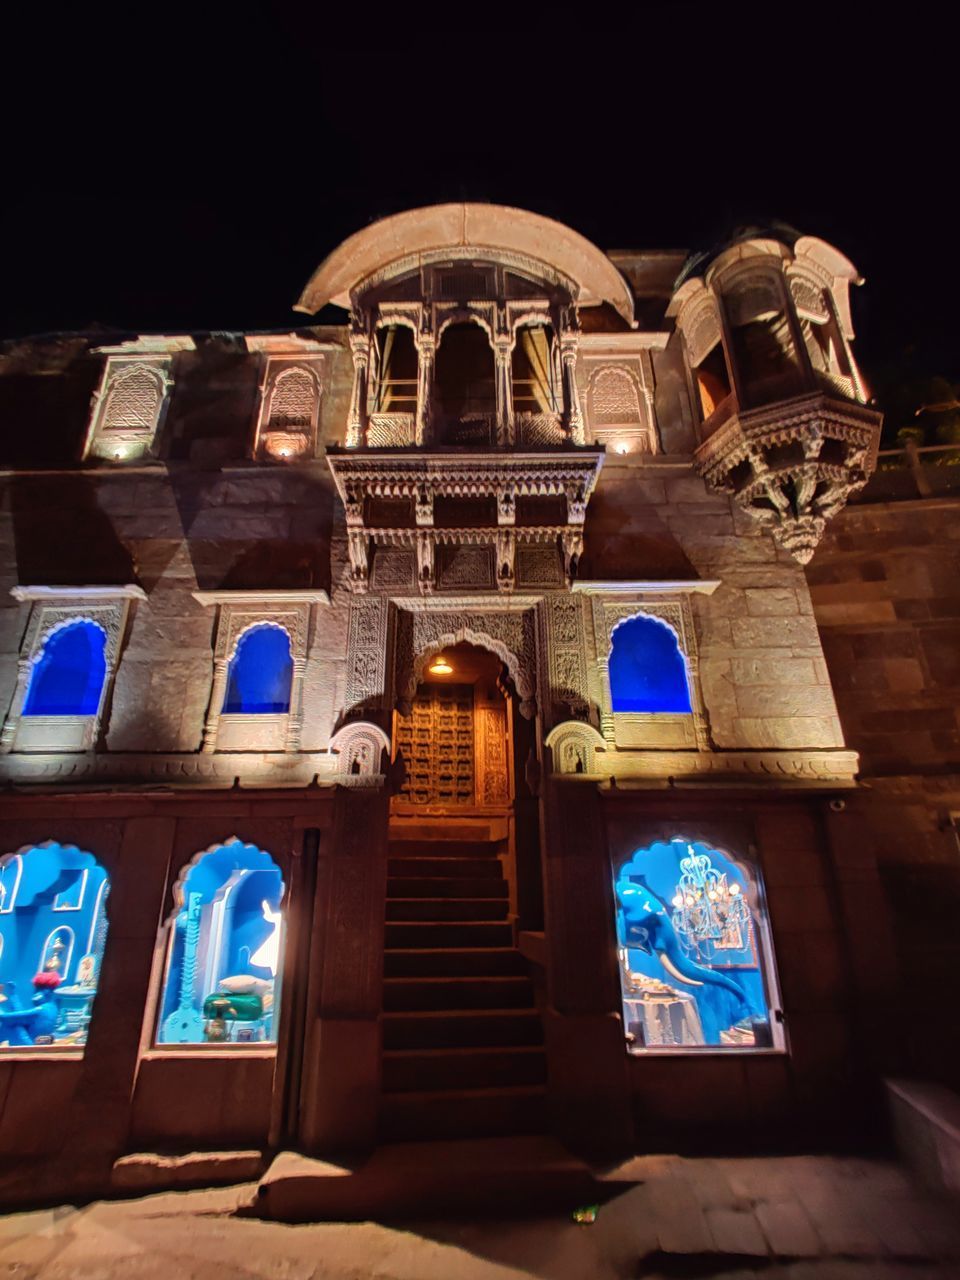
647,670
260,673
49,970
696,968
222,981
68,677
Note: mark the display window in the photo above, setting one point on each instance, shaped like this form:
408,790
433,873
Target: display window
648,673
53,930
696,965
221,981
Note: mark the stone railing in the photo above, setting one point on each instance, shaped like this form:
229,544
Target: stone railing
391,430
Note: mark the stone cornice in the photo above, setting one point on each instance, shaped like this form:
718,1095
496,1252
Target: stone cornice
270,597
697,586
461,475
127,592
149,344
624,343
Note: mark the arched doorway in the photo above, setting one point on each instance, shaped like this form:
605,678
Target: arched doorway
462,1038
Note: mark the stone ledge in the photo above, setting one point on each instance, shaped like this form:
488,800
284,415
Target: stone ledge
926,1128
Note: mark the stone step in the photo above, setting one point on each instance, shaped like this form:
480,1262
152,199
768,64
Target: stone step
447,887
459,909
486,849
462,1113
432,933
413,1070
458,1029
463,868
470,1177
453,962
405,994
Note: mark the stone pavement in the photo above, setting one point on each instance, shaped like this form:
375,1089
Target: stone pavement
808,1218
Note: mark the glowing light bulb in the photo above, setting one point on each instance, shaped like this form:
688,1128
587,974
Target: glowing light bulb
284,452
678,900
440,666
734,889
622,448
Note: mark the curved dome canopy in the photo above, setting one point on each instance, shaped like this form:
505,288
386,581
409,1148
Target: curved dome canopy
483,230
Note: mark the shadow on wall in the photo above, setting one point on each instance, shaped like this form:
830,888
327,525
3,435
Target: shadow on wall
626,540
62,538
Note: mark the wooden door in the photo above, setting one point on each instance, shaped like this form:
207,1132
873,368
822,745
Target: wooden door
437,741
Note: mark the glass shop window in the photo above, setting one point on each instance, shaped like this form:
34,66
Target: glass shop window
260,674
53,930
647,670
68,676
222,979
696,965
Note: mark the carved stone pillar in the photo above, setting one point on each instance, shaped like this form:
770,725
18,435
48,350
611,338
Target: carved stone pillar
295,718
358,544
572,540
569,349
506,554
503,357
24,671
426,359
506,505
357,417
425,563
221,668
424,506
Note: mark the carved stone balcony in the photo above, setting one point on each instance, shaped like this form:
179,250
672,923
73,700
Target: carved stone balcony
792,465
390,500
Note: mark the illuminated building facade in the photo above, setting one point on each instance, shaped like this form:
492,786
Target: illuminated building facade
420,727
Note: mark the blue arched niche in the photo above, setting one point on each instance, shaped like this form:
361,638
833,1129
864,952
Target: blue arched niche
53,930
222,979
692,935
647,669
67,678
260,673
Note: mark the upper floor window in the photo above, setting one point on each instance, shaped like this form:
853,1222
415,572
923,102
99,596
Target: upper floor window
68,658
260,673
289,408
647,670
50,962
696,964
67,677
129,404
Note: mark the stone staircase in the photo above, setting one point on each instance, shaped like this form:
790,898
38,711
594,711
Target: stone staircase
463,1049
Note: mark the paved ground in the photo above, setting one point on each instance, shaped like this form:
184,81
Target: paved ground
806,1218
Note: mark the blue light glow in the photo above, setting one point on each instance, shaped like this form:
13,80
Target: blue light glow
647,670
260,673
67,679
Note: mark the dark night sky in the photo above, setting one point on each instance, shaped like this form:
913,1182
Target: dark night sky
191,174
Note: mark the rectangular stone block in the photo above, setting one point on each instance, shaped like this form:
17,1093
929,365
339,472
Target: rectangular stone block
790,700
764,602
774,633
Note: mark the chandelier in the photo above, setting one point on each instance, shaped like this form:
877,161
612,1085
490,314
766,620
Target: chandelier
710,912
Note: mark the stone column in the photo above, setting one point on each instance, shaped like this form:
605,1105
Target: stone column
295,717
221,667
506,554
425,563
569,349
588,1089
426,358
9,732
357,416
340,1085
503,362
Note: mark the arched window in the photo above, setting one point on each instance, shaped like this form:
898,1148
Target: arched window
293,401
133,400
647,670
614,398
68,676
49,971
261,671
696,965
222,979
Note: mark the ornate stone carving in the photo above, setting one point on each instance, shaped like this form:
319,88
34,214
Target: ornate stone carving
507,627
491,753
465,566
568,692
792,465
573,746
394,568
538,566
366,652
360,745
128,406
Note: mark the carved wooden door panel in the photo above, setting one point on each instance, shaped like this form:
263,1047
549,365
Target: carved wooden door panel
437,745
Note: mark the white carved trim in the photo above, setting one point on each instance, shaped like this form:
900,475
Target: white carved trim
360,742
704,587
267,598
128,592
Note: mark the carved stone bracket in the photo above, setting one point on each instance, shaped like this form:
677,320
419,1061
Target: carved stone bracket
793,465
